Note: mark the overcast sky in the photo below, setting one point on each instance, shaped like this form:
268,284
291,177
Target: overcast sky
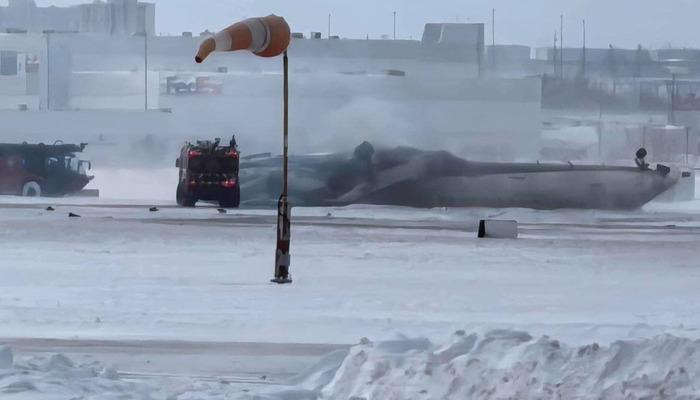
624,23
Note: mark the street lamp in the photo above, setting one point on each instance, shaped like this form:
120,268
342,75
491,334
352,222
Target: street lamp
265,37
145,67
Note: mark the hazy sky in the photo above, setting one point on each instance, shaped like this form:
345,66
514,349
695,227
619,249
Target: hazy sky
624,23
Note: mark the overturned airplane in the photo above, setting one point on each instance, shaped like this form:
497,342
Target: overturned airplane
410,177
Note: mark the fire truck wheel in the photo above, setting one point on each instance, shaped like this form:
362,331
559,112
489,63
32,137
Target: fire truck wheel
231,199
31,189
183,198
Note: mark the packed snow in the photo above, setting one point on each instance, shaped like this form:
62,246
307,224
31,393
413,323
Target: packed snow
508,364
122,272
624,280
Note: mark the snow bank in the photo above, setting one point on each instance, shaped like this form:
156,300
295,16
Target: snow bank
58,377
513,365
501,364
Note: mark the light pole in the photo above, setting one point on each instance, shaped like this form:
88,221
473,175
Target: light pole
674,91
583,58
561,46
145,71
265,37
48,33
555,60
493,38
394,25
145,67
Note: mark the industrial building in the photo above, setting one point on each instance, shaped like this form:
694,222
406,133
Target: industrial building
450,84
113,17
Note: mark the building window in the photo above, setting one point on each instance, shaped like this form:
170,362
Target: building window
8,63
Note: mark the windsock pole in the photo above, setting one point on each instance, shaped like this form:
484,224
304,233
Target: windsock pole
265,37
286,123
284,228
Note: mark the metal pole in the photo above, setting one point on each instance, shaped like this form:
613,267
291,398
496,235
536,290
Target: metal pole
584,61
329,25
687,146
672,113
561,45
286,123
48,71
282,256
145,70
394,25
493,27
480,48
555,62
493,37
600,140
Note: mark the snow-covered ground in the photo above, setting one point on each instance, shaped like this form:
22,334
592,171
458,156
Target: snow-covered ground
121,273
124,272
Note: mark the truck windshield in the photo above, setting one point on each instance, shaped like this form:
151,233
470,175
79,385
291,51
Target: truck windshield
67,163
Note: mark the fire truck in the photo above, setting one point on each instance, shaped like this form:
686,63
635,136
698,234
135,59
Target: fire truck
209,172
42,170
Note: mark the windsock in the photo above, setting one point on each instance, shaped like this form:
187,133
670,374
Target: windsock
266,37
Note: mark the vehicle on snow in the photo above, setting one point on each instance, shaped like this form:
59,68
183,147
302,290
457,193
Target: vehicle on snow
42,170
209,172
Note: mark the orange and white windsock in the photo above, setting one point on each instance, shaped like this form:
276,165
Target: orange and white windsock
266,37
